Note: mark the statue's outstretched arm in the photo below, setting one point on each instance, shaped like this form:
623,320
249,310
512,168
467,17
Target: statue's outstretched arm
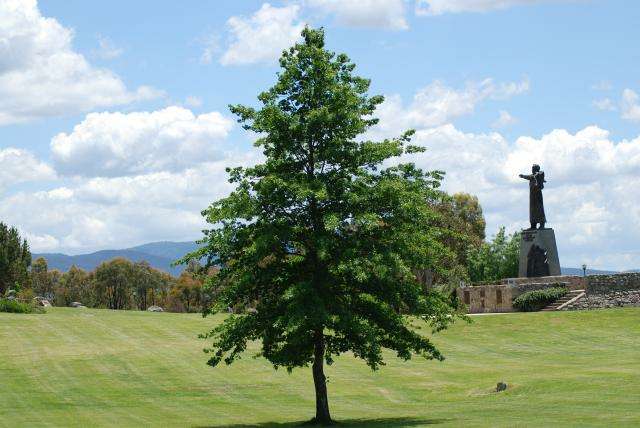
526,177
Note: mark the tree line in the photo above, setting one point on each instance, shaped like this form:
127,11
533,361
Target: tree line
115,284
119,284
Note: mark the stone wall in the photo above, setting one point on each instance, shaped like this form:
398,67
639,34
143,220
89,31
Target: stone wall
603,291
487,298
604,284
613,299
499,297
573,282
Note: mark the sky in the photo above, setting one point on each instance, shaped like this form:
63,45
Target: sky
115,128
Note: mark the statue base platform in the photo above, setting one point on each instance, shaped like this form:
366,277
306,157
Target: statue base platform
538,254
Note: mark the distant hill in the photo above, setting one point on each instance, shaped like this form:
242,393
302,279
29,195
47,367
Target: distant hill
578,271
159,255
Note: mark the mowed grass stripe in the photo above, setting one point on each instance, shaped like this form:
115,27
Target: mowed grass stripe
74,367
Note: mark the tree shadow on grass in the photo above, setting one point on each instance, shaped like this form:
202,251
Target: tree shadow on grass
373,423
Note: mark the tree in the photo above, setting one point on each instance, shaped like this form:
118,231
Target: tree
114,285
187,293
462,228
75,285
41,280
15,259
467,208
496,259
146,280
322,237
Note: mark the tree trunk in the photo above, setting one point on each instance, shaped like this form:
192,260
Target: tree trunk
320,381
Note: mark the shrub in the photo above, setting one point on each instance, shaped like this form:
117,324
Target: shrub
538,299
17,307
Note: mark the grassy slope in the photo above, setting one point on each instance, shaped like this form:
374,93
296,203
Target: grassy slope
98,368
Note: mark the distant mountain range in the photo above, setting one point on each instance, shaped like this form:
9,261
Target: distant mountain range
159,255
578,271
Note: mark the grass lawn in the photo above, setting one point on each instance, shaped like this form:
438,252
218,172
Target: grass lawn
75,367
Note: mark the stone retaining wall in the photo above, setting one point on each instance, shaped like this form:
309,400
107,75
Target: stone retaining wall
499,297
614,299
602,291
604,284
487,298
573,282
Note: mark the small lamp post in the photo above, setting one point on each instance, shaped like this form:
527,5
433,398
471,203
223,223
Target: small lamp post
584,270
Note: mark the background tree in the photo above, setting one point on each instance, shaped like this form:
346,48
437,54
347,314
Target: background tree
41,279
462,227
496,259
15,259
75,285
322,237
186,294
114,285
467,208
145,280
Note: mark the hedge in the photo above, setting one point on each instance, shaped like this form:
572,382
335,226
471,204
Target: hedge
535,300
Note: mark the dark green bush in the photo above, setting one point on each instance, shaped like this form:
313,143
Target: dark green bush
538,299
17,307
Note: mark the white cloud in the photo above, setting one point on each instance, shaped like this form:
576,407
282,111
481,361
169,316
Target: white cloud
439,7
263,36
107,49
211,46
99,213
604,104
193,101
41,243
116,144
585,157
437,104
504,120
388,14
41,75
630,106
589,197
19,166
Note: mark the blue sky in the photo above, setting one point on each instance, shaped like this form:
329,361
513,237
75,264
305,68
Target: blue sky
114,129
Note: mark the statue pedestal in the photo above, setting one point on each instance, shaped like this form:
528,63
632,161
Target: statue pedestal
538,254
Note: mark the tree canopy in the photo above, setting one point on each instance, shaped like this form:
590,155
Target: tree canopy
496,259
324,236
15,259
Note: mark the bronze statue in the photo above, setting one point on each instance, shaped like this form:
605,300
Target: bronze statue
536,204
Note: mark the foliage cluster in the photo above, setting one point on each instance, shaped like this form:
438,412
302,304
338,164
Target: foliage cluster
17,307
15,259
537,299
495,259
461,225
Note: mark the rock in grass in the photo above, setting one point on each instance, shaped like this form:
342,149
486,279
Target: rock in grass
501,386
